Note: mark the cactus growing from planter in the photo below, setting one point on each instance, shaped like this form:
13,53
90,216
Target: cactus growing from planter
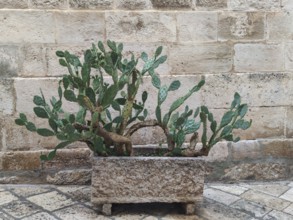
111,112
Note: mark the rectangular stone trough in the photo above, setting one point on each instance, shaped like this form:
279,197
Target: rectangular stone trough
147,179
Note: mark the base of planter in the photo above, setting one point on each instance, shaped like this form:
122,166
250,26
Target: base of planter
130,180
188,208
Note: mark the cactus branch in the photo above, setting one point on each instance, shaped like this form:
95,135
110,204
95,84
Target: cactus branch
137,126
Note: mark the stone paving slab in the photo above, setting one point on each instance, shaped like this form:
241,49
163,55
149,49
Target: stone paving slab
244,201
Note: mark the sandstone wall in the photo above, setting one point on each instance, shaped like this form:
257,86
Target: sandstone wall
238,45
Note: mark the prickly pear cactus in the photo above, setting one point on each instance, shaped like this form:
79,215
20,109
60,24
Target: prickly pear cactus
110,111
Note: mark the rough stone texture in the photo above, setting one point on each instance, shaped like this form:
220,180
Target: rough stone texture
51,200
236,190
251,208
6,97
246,150
147,179
134,5
271,89
78,177
21,161
241,26
267,122
18,138
20,209
278,26
9,61
219,152
259,171
137,26
277,215
288,195
9,180
34,62
49,4
258,57
7,197
76,212
211,4
172,3
287,5
268,200
201,26
107,209
70,27
220,196
277,148
205,58
15,4
70,158
26,89
289,122
27,26
289,56
272,189
91,4
270,5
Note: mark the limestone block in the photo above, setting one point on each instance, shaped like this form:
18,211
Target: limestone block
20,160
69,158
246,149
79,27
219,152
277,148
147,179
6,96
70,177
51,4
256,171
91,4
19,138
258,57
241,26
198,58
9,61
197,26
271,89
211,4
133,5
27,26
27,88
267,122
34,61
151,135
15,4
280,26
289,122
287,5
289,56
172,3
254,5
141,27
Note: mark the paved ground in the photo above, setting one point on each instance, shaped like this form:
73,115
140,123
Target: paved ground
251,201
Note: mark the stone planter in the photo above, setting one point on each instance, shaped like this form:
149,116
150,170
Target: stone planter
147,179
